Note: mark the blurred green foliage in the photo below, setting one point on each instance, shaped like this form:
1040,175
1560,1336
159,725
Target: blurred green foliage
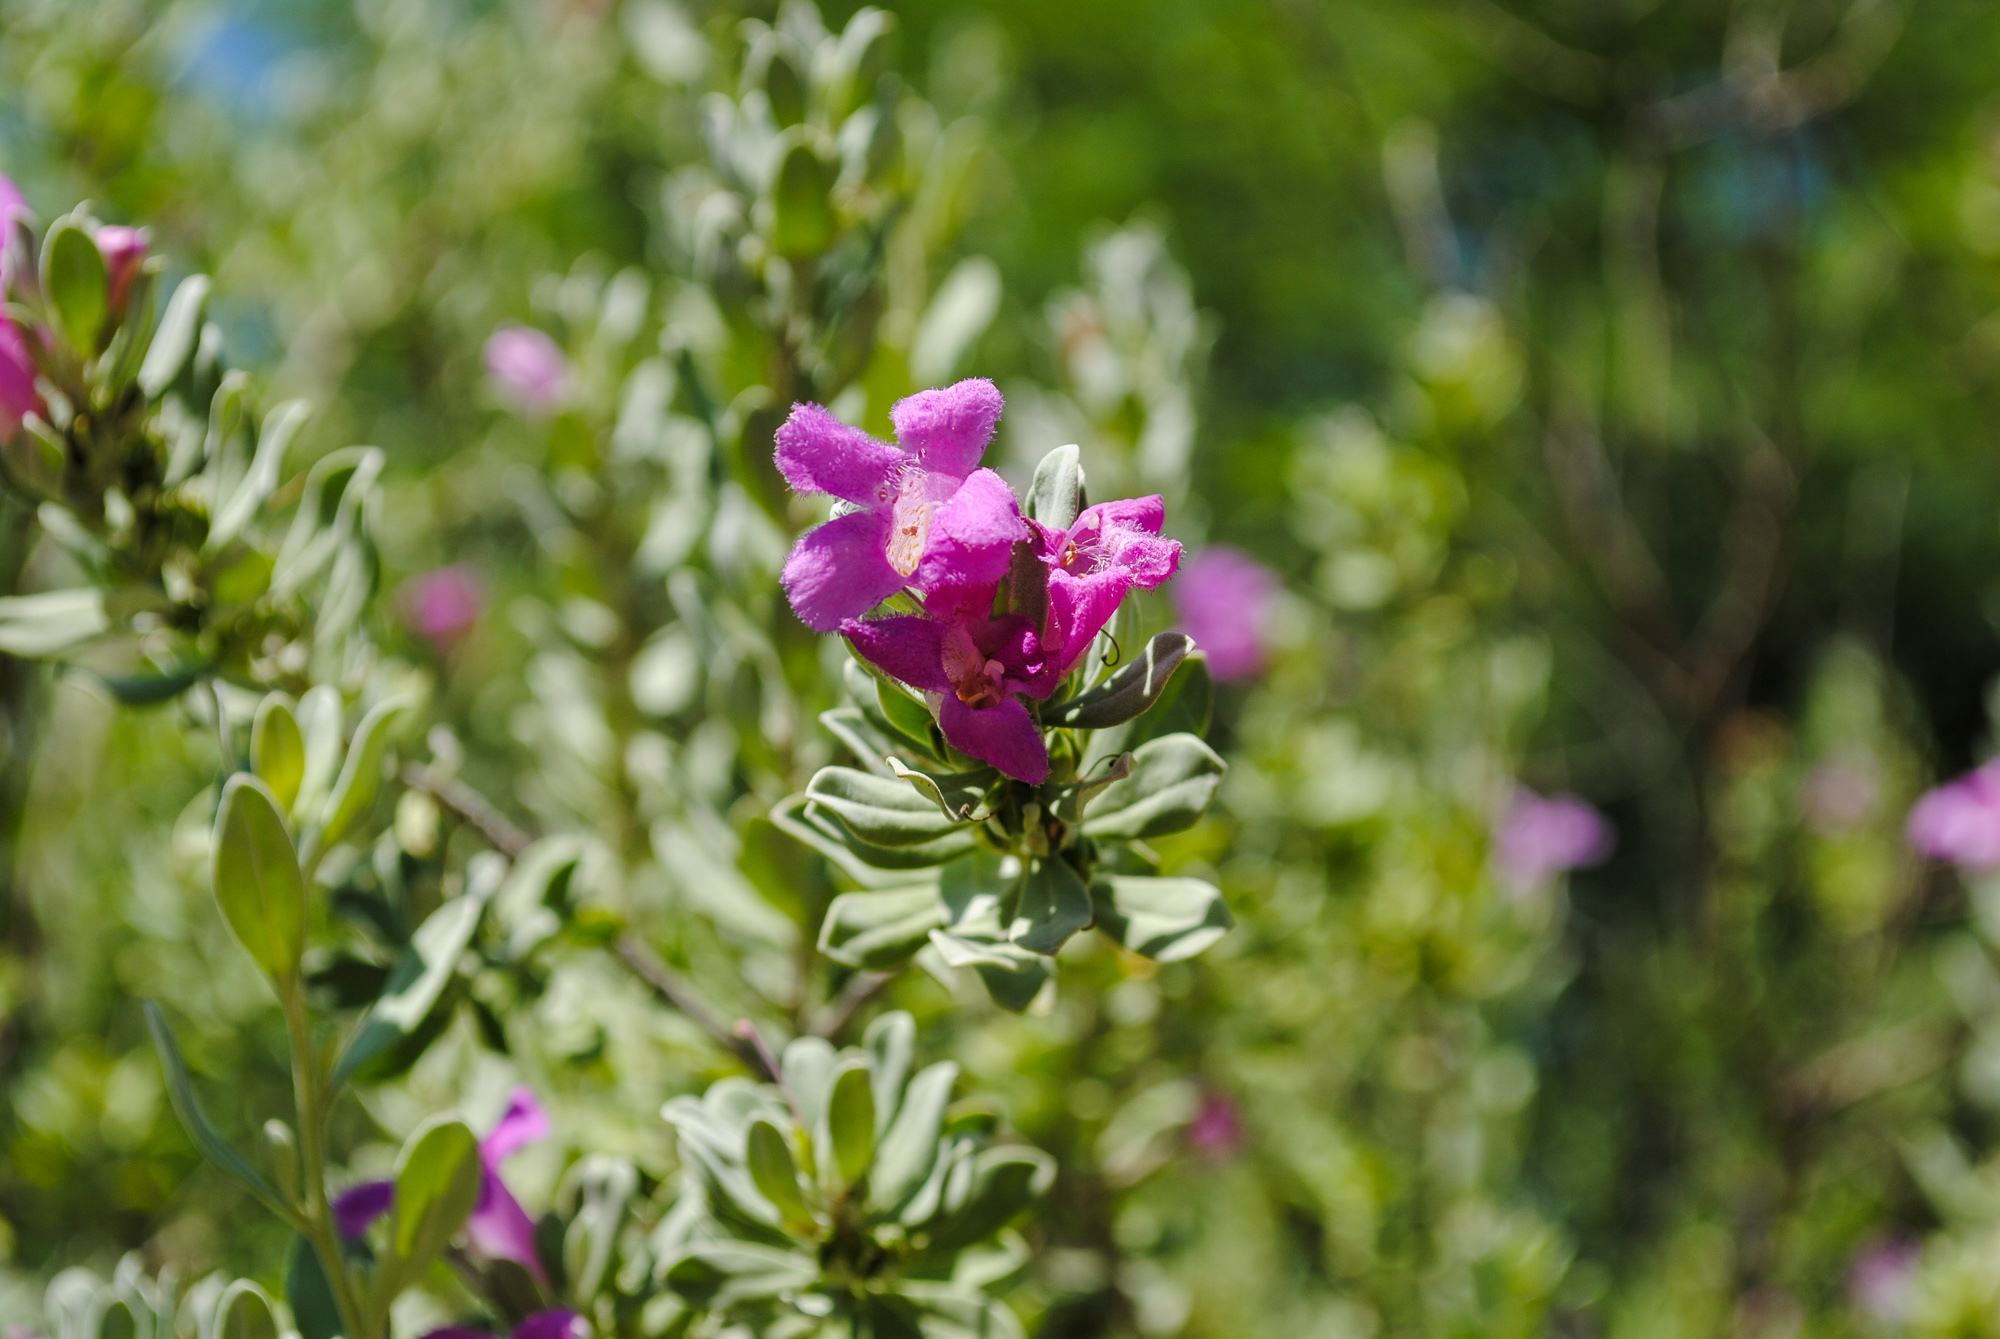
1609,383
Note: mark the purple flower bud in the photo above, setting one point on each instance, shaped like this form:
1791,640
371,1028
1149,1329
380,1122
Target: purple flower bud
1224,598
13,207
124,251
441,606
1541,837
1882,1280
528,369
1216,1132
1960,820
1840,795
18,396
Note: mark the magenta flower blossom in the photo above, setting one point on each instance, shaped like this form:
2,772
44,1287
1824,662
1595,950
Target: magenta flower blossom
1960,820
976,667
1110,550
1882,1281
18,396
1224,598
527,368
1544,836
922,515
124,251
1216,1132
556,1324
499,1227
441,606
13,207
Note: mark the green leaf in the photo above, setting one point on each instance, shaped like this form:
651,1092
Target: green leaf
244,1311
909,1147
174,342
891,1042
319,717
850,1123
278,749
879,810
261,480
802,217
1130,692
905,714
1003,1183
719,1274
34,626
1172,781
77,285
533,903
1163,919
255,873
1054,904
361,776
180,1092
767,1153
863,861
426,967
880,928
437,1183
959,796
308,1293
601,1189
1055,495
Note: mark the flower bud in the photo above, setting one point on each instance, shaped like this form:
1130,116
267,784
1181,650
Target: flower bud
18,396
528,369
124,252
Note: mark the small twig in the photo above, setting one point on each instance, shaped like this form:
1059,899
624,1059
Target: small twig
500,832
861,989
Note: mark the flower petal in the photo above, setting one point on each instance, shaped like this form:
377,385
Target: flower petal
1004,735
522,1123
903,646
561,1323
1079,607
355,1209
838,571
948,429
972,536
817,453
18,396
500,1228
1147,513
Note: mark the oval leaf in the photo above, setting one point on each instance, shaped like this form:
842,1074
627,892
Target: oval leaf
257,880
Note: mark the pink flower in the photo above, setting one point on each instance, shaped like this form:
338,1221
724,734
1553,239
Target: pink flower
1216,1132
923,515
18,396
1540,837
1882,1279
124,251
13,208
441,606
1224,598
557,1324
499,1227
1111,549
1839,796
527,368
1960,820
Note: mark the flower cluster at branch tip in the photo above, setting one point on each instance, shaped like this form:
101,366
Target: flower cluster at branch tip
499,1227
1542,836
922,518
1224,599
1960,820
527,368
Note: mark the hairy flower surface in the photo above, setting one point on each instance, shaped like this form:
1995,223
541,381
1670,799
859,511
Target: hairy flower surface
1110,550
499,1227
923,516
977,667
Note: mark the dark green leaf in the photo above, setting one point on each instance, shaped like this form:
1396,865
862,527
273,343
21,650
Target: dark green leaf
1128,693
802,217
767,1153
180,1092
437,1183
1172,781
427,966
1053,905
75,280
308,1293
850,1123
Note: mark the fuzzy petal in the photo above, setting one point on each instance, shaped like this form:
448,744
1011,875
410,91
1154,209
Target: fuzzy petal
817,453
948,429
558,1324
1004,735
904,647
522,1123
972,536
18,397
500,1228
355,1209
1147,513
1079,607
838,571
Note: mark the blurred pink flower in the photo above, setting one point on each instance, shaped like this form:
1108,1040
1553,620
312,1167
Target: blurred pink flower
441,606
1840,795
13,206
1224,598
1881,1282
1960,820
124,252
1216,1132
527,367
18,396
1543,836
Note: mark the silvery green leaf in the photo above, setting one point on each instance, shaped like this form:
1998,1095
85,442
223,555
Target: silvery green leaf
807,1065
866,863
879,810
717,1274
881,928
959,796
964,305
1172,781
1012,975
1055,496
174,342
530,905
256,877
1053,905
1163,919
767,1153
600,1191
361,775
34,626
1000,1185
244,1311
1129,692
281,425
891,1042
909,1146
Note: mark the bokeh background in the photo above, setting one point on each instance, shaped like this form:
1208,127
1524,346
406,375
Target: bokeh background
1609,385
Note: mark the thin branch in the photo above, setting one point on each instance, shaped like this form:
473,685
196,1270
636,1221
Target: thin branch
485,818
861,989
